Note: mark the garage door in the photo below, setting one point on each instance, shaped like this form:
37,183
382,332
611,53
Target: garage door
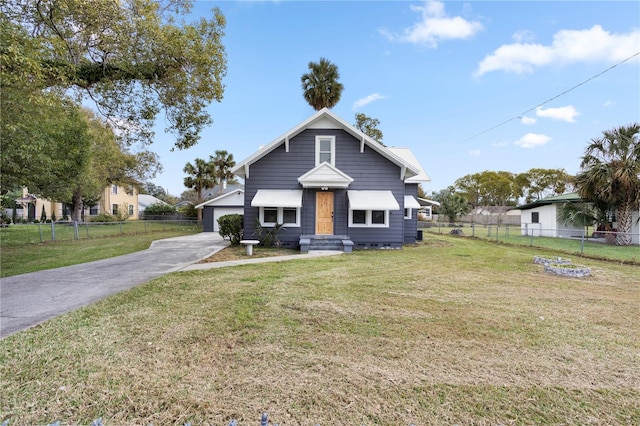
218,212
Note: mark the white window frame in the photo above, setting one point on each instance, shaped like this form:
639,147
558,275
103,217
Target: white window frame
332,139
280,217
114,189
408,210
368,219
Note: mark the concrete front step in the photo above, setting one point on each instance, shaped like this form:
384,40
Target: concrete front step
325,243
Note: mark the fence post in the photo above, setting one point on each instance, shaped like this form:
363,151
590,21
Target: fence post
145,226
40,230
473,229
582,242
489,231
87,227
76,234
120,228
53,231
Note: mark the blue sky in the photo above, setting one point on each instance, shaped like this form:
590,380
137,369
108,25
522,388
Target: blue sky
456,82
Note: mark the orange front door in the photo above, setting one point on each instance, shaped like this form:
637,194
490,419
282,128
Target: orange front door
324,213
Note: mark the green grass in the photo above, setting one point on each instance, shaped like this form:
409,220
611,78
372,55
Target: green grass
572,246
16,257
449,331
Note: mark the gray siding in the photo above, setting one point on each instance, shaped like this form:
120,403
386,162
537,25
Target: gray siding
207,219
370,171
411,225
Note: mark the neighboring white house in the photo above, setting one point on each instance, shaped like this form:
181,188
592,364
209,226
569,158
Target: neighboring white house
540,219
146,200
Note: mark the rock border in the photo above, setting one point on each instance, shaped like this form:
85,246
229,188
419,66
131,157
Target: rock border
562,267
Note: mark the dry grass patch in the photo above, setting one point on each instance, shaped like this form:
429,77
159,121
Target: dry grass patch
450,331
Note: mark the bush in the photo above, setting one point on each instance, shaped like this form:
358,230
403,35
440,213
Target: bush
159,209
104,217
188,211
231,226
5,220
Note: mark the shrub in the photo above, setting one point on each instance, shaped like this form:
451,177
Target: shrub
159,209
104,217
188,211
230,226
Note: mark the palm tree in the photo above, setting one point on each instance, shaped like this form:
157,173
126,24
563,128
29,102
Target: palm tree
320,86
610,175
201,176
452,204
223,163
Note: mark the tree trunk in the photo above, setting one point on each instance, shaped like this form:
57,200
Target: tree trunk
76,205
625,224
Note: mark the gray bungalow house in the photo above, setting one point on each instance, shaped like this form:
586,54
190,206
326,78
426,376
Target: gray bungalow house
332,187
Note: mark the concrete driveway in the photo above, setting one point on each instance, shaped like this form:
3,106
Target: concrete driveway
29,299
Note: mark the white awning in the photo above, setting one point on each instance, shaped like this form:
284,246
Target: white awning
410,202
372,200
277,198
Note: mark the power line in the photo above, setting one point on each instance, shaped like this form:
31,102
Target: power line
551,99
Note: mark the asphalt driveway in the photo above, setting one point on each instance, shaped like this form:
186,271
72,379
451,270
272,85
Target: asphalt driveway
29,299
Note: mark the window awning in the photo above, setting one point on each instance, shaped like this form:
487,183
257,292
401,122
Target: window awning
277,198
372,200
411,203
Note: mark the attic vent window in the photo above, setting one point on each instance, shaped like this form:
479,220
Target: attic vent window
325,150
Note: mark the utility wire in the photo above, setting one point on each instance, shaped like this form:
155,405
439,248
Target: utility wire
550,99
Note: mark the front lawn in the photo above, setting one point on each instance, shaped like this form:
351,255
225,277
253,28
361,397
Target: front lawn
449,331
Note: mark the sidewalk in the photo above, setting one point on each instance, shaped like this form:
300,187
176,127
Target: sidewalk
249,261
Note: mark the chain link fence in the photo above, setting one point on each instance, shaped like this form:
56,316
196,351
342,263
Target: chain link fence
34,233
572,240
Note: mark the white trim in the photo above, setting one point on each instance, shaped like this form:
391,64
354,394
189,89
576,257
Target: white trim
408,210
332,140
280,216
325,175
368,219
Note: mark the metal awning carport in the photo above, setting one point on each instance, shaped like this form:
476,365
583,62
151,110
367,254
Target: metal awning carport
277,198
372,200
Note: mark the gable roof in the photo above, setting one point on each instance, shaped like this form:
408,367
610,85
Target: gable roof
219,198
324,119
571,197
407,155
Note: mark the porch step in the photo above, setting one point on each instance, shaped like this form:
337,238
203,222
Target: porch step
326,242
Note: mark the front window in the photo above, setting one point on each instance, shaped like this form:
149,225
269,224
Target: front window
114,209
271,216
130,209
114,189
535,217
94,210
325,149
369,218
359,217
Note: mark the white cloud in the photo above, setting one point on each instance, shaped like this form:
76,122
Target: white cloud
567,113
475,153
500,144
523,36
608,103
568,46
435,26
366,100
532,140
528,120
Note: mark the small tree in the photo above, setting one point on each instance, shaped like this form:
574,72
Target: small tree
43,215
231,226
